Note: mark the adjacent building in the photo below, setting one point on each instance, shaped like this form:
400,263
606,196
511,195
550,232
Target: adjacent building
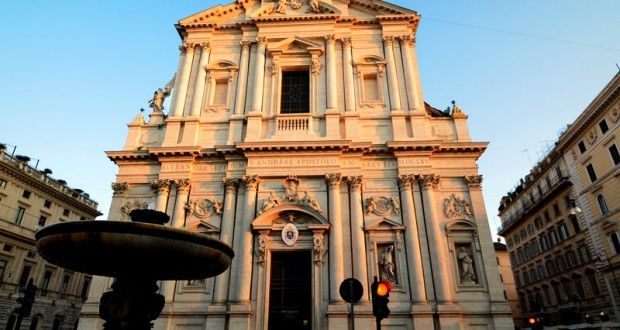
561,220
30,199
505,274
298,134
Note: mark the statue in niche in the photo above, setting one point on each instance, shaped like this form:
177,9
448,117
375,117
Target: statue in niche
468,275
386,264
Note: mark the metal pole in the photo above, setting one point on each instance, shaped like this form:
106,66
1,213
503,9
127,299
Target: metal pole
352,317
378,324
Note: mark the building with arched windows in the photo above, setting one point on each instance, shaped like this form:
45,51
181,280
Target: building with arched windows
298,134
561,221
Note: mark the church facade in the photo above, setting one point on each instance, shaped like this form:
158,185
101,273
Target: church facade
297,133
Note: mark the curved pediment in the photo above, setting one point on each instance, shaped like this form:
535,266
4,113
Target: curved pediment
277,217
460,225
369,60
223,65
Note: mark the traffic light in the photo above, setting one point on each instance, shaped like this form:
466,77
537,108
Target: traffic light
534,322
380,293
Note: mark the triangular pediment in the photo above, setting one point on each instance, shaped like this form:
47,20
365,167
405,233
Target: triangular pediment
202,226
217,15
384,225
376,8
295,44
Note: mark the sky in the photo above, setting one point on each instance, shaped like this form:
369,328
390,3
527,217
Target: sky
74,73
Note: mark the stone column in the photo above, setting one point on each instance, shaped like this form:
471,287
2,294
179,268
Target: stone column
412,239
406,42
242,272
259,75
199,88
226,235
242,83
330,59
360,264
388,46
439,261
187,51
162,189
178,218
119,191
348,75
336,244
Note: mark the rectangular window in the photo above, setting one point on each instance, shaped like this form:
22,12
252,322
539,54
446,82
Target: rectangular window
594,284
371,88
47,204
42,220
26,194
23,279
615,155
7,248
575,223
579,286
2,183
556,209
65,283
85,288
591,172
19,215
563,232
2,268
583,254
582,147
295,95
47,277
220,96
65,212
558,171
603,126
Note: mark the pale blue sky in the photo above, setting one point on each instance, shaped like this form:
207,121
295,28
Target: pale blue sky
74,73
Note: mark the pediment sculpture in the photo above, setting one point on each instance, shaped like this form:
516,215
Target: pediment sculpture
281,6
291,196
454,207
204,208
382,206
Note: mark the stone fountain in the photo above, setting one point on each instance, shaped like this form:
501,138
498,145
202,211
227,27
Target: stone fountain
137,254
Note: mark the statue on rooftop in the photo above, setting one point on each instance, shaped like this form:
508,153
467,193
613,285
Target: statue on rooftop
159,96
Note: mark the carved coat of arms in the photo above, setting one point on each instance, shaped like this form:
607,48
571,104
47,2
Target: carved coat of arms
382,206
454,207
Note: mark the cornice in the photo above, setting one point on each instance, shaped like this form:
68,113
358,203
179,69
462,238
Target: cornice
47,189
294,146
125,155
596,108
175,151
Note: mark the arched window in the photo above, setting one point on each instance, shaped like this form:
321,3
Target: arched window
602,204
615,241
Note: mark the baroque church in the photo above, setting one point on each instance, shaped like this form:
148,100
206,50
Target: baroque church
297,133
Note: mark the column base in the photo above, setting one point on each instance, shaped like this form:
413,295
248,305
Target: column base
240,316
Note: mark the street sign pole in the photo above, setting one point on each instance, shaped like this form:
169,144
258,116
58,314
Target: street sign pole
351,291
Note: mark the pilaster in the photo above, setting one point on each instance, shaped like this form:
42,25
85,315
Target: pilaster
178,218
199,89
226,235
360,264
187,52
162,191
336,244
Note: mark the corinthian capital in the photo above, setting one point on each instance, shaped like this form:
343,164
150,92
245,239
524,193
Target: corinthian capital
355,182
473,181
245,44
406,181
406,39
388,40
346,41
429,180
333,180
262,41
231,184
182,184
119,188
330,39
250,181
161,186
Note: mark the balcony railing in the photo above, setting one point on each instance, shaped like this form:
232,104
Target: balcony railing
531,203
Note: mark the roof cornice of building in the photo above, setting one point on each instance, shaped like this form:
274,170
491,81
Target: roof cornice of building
62,193
609,94
125,155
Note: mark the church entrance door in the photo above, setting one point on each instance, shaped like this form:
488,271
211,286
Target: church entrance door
290,297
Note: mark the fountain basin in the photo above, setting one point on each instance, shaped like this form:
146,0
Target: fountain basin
133,249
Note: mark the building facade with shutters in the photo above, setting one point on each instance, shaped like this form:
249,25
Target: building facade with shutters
30,199
560,222
298,134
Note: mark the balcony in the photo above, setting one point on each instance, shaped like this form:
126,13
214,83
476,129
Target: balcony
531,205
301,125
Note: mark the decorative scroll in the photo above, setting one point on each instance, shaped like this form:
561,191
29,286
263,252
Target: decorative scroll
205,208
454,207
291,196
319,249
262,249
133,205
382,206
